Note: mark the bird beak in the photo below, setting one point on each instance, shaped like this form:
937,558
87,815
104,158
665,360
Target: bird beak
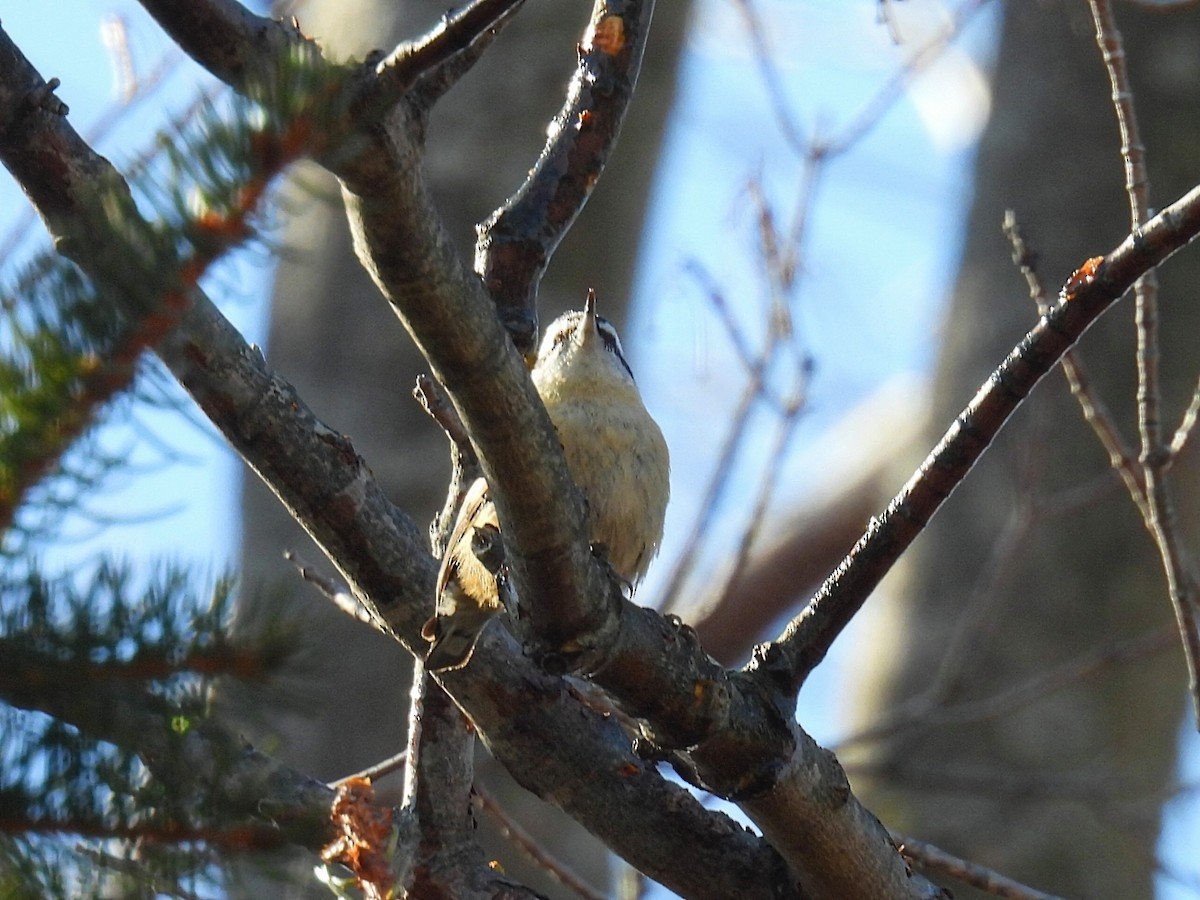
590,330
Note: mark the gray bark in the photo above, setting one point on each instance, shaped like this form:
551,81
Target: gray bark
334,337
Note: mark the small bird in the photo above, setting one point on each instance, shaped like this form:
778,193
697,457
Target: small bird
616,454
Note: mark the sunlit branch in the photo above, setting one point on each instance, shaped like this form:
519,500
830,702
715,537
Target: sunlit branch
1086,297
456,40
515,244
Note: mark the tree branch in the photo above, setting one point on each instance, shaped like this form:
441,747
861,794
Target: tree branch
450,862
1095,413
1155,457
809,636
227,39
457,35
202,760
515,244
934,859
399,238
519,710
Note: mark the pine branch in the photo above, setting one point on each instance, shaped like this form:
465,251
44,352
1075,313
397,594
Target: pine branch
121,667
76,344
192,758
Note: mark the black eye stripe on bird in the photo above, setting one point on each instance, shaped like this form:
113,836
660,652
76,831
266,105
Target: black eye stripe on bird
612,342
616,454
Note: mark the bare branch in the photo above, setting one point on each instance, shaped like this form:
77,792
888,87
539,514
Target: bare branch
515,244
807,548
438,778
1155,457
787,407
1187,425
769,74
1089,293
377,771
927,712
317,474
225,38
511,829
438,408
873,110
935,860
1095,412
436,56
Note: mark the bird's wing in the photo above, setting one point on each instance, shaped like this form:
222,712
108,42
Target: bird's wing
468,518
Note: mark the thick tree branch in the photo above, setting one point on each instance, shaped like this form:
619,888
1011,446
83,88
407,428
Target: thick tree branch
399,239
520,710
440,764
227,39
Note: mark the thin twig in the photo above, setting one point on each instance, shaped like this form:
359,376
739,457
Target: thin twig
685,562
527,844
1187,425
935,860
1155,457
873,111
338,594
323,583
374,772
436,405
1095,412
781,332
768,489
1018,696
771,80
